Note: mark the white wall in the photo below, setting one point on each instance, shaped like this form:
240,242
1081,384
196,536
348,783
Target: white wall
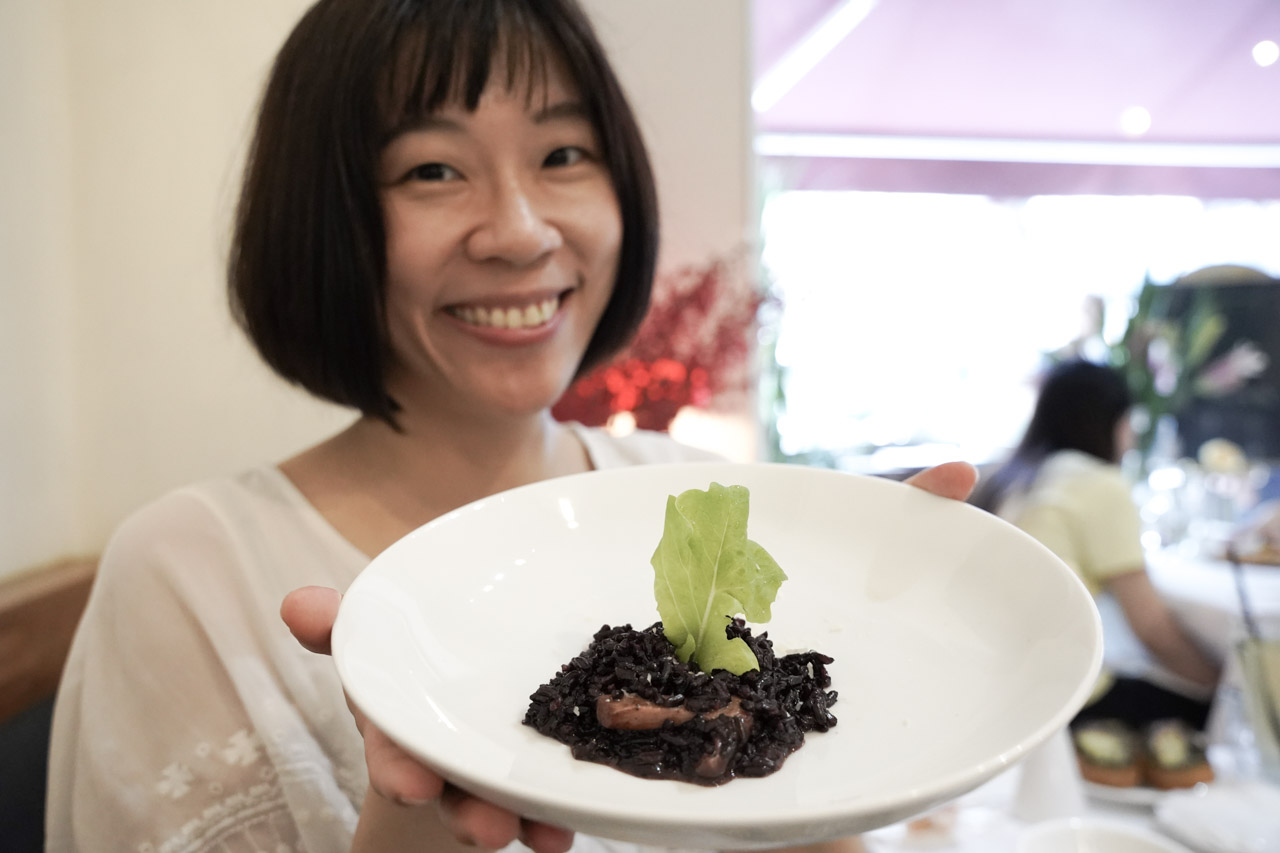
123,129
686,66
37,372
169,390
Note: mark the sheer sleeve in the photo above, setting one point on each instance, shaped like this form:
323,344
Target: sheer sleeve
182,722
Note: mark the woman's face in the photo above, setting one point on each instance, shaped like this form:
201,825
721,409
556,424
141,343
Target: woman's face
503,233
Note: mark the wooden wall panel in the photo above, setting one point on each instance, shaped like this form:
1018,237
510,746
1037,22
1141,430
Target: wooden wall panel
39,610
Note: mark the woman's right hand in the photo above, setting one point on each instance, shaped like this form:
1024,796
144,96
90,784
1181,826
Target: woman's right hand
397,780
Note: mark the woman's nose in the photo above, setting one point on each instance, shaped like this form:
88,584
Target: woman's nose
514,229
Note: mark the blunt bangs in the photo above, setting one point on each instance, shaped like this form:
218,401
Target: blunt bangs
443,56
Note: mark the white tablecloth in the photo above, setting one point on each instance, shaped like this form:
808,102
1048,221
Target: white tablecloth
1202,592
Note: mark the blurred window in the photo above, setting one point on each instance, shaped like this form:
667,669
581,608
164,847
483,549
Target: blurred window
913,324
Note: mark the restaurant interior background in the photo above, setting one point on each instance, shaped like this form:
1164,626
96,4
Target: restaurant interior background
952,190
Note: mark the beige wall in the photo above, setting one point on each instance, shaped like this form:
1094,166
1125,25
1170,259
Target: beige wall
686,66
38,449
122,127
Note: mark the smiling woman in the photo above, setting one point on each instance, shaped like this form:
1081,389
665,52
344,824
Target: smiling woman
407,112
447,213
473,156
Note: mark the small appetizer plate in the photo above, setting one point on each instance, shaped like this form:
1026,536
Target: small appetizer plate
1138,795
1093,835
960,645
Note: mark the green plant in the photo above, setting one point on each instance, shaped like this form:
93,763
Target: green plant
1164,355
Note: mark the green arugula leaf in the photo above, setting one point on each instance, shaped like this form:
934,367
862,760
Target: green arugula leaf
708,571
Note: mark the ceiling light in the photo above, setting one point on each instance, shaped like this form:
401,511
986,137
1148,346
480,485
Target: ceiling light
1135,121
1266,53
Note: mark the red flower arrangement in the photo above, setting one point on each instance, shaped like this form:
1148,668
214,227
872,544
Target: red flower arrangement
694,346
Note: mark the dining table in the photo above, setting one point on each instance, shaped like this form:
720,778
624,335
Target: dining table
1207,595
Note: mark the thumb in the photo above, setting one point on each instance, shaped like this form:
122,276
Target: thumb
309,613
953,480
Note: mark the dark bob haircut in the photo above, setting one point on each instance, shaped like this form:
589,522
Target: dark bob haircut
307,267
1078,407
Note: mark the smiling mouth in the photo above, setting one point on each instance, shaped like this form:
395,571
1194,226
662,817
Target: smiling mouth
529,316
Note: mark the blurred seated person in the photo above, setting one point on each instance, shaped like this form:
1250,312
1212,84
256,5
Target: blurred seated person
1063,485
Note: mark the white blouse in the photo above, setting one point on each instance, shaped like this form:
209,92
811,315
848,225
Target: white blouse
188,718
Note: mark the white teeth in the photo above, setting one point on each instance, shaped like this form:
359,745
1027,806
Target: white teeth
528,317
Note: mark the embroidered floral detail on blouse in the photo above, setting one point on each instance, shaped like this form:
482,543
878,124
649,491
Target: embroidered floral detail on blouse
239,815
176,782
242,749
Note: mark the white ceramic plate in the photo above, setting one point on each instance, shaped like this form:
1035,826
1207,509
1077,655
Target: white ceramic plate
1224,817
1093,835
959,642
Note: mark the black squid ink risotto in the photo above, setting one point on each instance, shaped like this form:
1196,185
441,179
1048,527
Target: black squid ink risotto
628,702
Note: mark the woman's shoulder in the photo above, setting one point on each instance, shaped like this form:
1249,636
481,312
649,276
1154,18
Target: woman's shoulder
1085,476
641,447
204,518
176,512
1074,464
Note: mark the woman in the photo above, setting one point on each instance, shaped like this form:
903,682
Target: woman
1063,485
447,215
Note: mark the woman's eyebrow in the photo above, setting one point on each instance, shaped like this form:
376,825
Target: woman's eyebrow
426,121
568,109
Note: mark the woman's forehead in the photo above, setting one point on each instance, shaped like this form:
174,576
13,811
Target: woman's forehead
424,75
538,84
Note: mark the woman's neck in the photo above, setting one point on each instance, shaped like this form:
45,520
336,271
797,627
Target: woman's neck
374,484
473,456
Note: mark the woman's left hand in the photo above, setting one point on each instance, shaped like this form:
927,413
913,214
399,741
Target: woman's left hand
953,480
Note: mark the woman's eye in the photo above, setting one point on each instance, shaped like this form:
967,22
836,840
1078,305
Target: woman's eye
566,156
432,172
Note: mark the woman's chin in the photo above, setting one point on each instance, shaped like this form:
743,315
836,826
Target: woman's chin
530,399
